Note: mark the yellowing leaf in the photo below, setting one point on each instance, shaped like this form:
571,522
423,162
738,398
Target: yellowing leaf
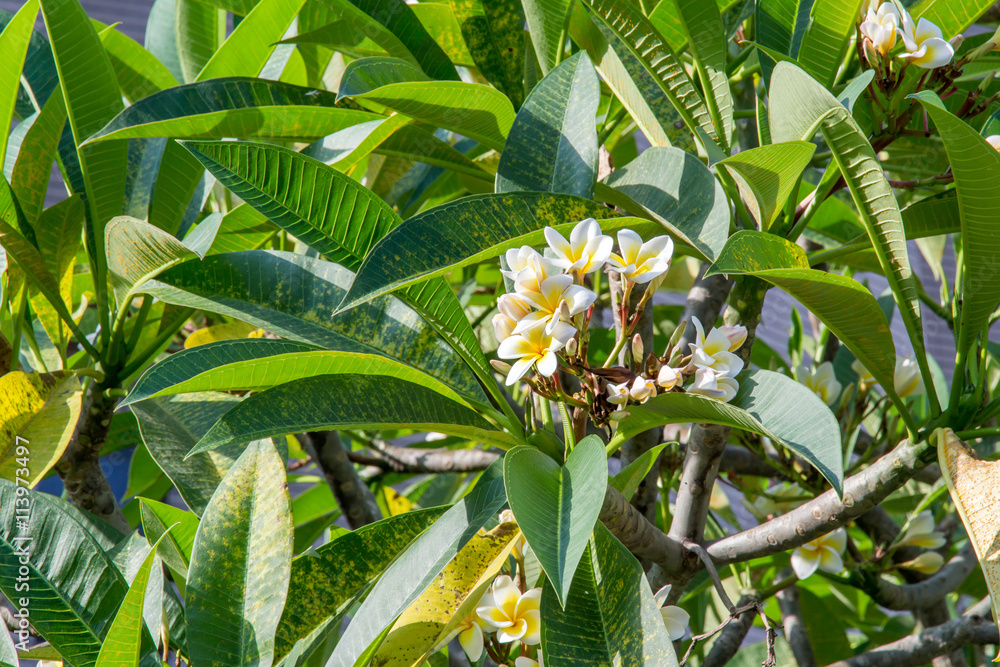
38,411
227,331
975,487
392,503
449,599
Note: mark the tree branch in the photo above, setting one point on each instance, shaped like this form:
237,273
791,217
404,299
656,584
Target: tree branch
923,594
732,636
418,460
356,500
641,537
795,629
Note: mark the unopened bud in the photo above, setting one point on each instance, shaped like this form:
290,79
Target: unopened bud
846,396
676,336
501,367
572,346
956,41
637,347
871,55
563,311
619,415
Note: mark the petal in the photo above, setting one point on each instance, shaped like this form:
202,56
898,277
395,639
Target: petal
629,244
548,364
493,616
676,620
729,388
472,642
662,595
700,331
518,369
923,523
579,299
830,561
583,231
804,566
532,627
836,540
561,334
524,661
530,601
514,347
528,322
506,594
599,250
557,242
513,633
926,30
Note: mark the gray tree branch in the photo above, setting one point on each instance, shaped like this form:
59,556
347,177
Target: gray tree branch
641,537
418,460
795,629
930,591
356,500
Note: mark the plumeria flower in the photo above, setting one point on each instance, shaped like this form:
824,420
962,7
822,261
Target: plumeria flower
907,379
668,377
994,141
507,516
528,280
864,375
513,308
618,393
821,381
881,27
928,562
641,390
535,347
470,636
519,259
925,45
715,350
920,533
586,250
823,553
641,262
514,615
555,292
524,661
714,385
674,618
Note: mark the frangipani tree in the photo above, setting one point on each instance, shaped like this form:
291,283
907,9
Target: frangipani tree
387,298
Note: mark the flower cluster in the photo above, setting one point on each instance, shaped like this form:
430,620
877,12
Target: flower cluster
885,24
543,323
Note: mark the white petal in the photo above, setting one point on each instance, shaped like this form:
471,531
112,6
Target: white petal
557,242
548,364
804,566
830,561
676,620
518,369
579,298
662,595
837,540
629,245
926,30
513,347
561,334
471,640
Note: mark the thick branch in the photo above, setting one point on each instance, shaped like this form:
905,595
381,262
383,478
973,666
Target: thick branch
923,594
741,461
795,629
356,500
725,647
701,466
417,460
641,537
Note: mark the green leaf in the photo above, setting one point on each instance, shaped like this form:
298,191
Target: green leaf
610,616
57,233
678,191
326,579
473,110
416,567
200,29
296,297
328,402
767,176
14,42
841,303
72,604
232,107
123,644
800,107
463,232
346,148
256,364
8,654
138,252
552,146
952,17
246,50
494,33
398,18
241,563
557,506
826,38
976,165
171,426
658,59
175,546
547,27
768,403
780,25
139,72
629,478
413,143
29,178
706,36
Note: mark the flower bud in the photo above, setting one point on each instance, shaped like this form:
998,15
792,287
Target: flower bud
637,347
871,55
956,41
501,367
668,378
928,562
572,347
676,336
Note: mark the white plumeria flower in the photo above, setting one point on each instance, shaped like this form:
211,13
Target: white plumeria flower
714,385
881,27
524,661
513,308
920,533
674,618
642,389
535,347
994,141
823,553
926,47
641,262
514,615
715,350
470,636
928,562
519,259
586,250
907,379
668,377
554,293
528,280
618,393
821,381
864,375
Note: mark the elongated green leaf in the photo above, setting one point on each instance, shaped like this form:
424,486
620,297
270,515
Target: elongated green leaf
952,17
767,176
470,109
39,75
8,653
464,232
658,59
552,146
122,646
841,303
171,426
139,72
678,191
199,30
14,42
976,165
139,251
399,19
329,402
610,616
246,50
547,26
780,25
800,107
768,403
706,35
418,566
557,506
494,33
296,297
173,547
325,580
826,38
29,178
312,207
57,233
413,143
344,149
232,107
241,563
255,364
629,478
72,602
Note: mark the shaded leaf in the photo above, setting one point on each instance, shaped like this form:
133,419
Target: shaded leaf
247,49
494,33
173,547
767,176
398,18
547,27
